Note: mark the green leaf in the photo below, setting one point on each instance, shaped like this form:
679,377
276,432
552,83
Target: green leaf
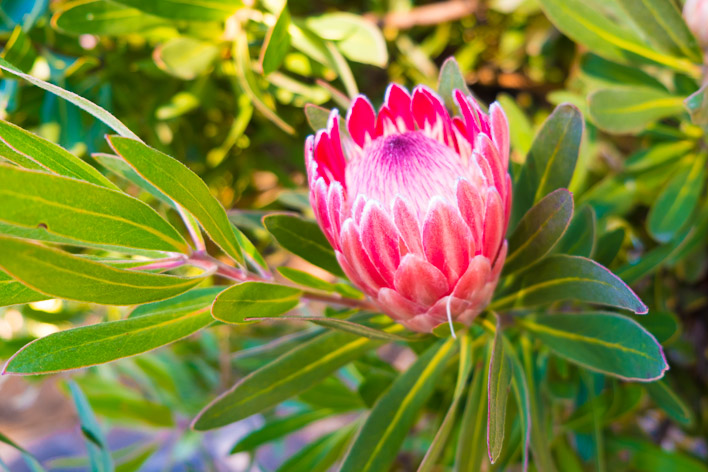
190,10
440,440
604,342
254,300
648,457
28,458
308,280
520,132
122,169
48,155
561,277
449,80
610,73
521,392
276,44
608,246
579,239
278,428
585,24
697,106
393,415
664,27
670,402
321,454
551,161
86,105
247,81
156,324
63,275
359,39
83,212
103,18
19,50
677,202
98,452
183,186
497,394
539,230
13,292
184,57
663,325
656,155
317,116
346,326
470,453
625,110
290,374
303,238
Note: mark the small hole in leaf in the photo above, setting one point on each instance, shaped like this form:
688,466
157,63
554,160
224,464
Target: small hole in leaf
42,226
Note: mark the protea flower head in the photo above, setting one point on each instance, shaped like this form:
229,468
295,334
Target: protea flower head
415,203
695,12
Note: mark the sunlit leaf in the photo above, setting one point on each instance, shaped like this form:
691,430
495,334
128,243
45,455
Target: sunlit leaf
630,109
254,299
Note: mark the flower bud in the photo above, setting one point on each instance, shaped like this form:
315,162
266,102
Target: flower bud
415,203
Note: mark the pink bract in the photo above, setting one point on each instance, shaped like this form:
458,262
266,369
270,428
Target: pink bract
415,202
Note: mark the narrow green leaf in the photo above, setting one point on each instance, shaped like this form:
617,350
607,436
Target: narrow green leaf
624,110
82,211
470,453
521,392
28,458
539,230
561,277
278,428
664,27
697,106
646,456
677,202
669,401
98,452
253,300
345,326
62,275
276,44
191,10
551,161
449,80
303,238
391,418
19,50
290,374
663,325
608,246
13,292
604,342
86,105
103,18
183,186
658,154
497,394
610,73
247,81
48,155
440,440
585,24
520,132
158,324
319,455
579,239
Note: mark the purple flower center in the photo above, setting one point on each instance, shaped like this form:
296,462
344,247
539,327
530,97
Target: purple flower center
410,165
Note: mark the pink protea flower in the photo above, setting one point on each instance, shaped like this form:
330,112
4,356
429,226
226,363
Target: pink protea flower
415,203
695,12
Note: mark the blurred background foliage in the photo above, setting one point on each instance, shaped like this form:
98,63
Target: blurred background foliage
224,88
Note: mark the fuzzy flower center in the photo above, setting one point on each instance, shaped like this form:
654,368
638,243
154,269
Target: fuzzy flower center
410,165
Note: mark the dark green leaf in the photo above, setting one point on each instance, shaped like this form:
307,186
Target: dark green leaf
278,428
290,374
648,457
449,80
182,185
608,246
82,211
158,324
658,154
303,238
319,455
391,418
103,18
470,454
539,230
670,402
677,201
63,275
497,394
562,277
551,160
247,300
605,342
346,326
611,73
579,239
19,50
624,110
